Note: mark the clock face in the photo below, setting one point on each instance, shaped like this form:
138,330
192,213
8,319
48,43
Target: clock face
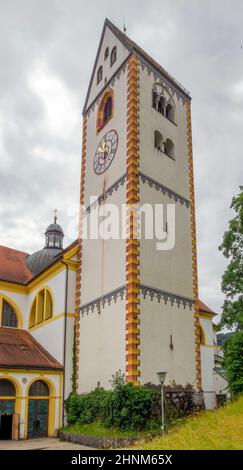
105,152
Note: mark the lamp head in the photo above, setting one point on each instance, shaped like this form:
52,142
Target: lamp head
161,377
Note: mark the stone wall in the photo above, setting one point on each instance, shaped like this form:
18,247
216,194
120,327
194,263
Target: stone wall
96,442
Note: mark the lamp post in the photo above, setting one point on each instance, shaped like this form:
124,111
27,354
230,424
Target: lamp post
161,377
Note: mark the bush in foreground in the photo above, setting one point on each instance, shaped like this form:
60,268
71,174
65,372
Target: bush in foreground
127,407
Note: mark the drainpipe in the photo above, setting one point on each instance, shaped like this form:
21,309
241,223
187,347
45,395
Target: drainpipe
64,340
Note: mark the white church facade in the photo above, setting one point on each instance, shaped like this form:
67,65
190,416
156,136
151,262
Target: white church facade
70,318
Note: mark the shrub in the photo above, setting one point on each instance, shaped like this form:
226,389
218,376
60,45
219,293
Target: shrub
128,407
87,407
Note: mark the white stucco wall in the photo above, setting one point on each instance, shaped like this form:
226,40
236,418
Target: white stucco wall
157,322
173,174
102,345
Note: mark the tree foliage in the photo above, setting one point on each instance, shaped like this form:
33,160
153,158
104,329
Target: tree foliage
233,361
232,280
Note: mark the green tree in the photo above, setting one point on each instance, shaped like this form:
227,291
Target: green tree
233,361
232,280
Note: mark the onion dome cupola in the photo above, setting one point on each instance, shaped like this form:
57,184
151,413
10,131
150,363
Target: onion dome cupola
41,259
54,236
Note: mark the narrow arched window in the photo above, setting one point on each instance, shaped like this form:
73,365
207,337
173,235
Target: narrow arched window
169,148
99,74
106,53
201,335
113,55
154,99
161,105
105,110
32,320
39,389
108,109
169,112
9,317
42,308
158,140
48,305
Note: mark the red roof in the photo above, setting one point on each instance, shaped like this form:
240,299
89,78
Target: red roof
13,267
204,308
18,349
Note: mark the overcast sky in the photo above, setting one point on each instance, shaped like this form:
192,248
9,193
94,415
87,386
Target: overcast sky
47,50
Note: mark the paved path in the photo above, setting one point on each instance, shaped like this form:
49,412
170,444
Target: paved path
44,443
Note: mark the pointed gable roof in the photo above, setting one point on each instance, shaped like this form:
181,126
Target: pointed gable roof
132,46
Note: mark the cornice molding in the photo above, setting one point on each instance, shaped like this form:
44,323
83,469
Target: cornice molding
144,179
163,189
165,296
103,300
145,291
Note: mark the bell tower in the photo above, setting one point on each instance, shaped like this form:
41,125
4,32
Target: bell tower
136,306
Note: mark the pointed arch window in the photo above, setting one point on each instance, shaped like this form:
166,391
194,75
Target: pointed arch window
108,109
158,141
99,74
105,111
9,317
42,308
113,55
169,112
163,102
169,148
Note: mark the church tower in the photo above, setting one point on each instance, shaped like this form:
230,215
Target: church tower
136,306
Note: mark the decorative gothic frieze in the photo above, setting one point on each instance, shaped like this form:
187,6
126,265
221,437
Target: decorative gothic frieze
103,300
145,180
146,291
163,189
164,296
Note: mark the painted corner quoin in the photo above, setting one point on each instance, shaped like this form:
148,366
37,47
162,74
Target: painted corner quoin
79,255
132,243
194,248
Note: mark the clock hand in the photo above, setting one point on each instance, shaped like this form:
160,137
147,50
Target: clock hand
102,147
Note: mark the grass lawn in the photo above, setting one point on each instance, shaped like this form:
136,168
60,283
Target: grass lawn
216,430
99,430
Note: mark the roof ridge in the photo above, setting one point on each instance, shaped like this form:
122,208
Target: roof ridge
14,249
134,45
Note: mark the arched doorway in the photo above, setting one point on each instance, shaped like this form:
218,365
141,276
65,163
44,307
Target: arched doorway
38,409
7,408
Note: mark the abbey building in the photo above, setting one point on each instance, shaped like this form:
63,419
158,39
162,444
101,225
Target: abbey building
70,318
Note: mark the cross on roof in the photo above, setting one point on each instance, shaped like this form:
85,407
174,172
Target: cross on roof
55,215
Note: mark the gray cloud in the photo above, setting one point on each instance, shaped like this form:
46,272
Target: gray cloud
197,42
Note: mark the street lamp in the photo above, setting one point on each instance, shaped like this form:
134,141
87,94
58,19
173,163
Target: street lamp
161,378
